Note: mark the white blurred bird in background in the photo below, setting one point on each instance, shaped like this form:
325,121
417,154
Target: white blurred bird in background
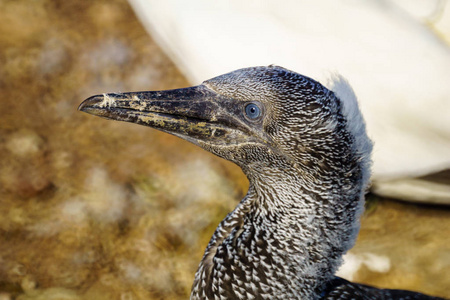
394,53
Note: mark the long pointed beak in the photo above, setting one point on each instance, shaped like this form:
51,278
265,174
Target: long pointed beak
195,114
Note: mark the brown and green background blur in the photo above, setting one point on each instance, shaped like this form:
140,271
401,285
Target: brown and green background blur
96,209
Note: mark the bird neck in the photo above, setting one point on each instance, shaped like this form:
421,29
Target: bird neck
286,238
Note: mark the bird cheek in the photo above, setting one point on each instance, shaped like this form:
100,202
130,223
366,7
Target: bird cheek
224,151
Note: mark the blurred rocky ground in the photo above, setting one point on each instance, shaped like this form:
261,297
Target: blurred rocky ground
95,209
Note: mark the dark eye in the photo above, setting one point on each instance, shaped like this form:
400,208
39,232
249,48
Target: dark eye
252,111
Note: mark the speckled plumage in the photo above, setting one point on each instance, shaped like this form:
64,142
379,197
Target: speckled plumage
287,236
307,158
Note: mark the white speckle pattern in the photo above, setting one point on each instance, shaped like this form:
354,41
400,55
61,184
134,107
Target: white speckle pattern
286,238
307,158
107,101
308,173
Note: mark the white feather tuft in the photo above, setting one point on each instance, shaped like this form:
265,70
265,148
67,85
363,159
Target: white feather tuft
355,121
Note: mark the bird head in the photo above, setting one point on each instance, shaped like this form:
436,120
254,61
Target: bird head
258,118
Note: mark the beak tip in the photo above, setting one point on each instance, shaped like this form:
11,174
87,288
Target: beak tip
91,103
82,106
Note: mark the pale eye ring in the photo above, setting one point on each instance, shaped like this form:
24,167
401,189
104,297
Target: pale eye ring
252,111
